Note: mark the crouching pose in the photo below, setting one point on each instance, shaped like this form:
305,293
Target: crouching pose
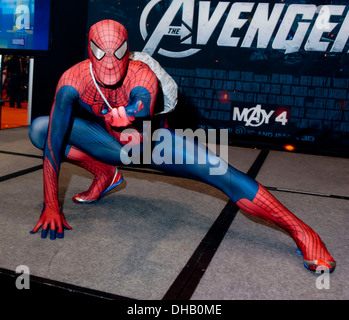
121,90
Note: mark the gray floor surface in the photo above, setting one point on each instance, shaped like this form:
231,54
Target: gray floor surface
136,241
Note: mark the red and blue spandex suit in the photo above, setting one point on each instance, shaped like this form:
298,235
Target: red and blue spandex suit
121,93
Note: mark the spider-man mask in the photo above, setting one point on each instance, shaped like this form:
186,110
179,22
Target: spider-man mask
108,51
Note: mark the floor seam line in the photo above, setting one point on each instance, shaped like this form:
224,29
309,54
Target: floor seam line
307,193
188,279
28,155
20,173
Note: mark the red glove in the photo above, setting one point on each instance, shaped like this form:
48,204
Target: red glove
123,116
117,117
53,220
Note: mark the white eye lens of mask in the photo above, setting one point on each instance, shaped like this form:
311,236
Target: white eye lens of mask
97,52
120,53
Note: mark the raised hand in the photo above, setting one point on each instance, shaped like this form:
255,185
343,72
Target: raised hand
123,116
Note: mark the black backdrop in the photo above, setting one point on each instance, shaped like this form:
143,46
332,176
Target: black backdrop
68,33
262,94
248,90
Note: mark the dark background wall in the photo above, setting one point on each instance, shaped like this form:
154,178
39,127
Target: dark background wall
220,84
264,96
68,34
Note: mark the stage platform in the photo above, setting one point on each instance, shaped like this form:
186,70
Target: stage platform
160,237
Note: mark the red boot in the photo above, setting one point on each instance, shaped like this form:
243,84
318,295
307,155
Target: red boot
266,206
107,177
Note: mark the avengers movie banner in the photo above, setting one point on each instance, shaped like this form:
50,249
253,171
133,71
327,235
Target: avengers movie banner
273,73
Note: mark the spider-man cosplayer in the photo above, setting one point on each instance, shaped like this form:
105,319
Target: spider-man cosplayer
121,93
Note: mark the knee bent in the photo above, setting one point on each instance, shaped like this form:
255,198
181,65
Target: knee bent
38,131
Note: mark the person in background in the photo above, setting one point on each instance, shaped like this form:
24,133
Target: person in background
14,73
